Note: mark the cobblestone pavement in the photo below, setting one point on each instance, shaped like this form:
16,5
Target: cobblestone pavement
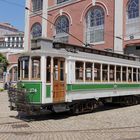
114,124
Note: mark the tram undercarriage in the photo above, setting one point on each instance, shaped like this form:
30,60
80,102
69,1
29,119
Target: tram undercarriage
19,102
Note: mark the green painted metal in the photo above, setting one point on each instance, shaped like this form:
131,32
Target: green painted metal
83,87
34,91
48,91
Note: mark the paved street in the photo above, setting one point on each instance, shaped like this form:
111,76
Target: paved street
114,124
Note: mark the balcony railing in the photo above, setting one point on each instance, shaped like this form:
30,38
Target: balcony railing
13,45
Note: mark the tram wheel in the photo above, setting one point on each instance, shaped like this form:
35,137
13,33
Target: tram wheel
135,100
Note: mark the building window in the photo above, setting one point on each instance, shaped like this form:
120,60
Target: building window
133,20
8,39
62,28
17,40
36,30
61,1
21,39
95,25
37,5
133,9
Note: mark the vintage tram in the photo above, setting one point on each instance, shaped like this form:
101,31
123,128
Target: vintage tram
61,77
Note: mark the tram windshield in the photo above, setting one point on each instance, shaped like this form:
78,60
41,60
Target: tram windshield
23,67
36,68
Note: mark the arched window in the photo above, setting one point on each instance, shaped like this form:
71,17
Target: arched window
36,30
133,9
62,25
133,19
62,28
95,25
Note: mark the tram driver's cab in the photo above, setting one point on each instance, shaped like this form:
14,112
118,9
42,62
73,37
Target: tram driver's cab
50,71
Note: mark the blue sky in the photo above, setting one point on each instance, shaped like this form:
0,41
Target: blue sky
12,13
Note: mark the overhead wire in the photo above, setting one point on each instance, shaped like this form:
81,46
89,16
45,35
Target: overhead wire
26,8
85,44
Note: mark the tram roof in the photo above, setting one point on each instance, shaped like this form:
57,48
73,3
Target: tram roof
75,48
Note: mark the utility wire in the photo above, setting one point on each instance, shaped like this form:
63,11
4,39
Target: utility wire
12,3
26,8
107,33
55,26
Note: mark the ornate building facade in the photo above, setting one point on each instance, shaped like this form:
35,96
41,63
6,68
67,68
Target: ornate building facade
112,25
11,45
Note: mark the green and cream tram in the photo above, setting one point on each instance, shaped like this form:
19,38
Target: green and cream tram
62,77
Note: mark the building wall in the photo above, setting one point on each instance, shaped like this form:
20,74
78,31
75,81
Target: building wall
6,28
116,34
11,46
15,41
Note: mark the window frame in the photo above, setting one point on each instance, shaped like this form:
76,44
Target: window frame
37,5
36,27
62,27
133,15
88,71
48,69
33,77
95,32
79,71
22,71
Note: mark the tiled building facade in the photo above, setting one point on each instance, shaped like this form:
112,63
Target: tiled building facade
104,24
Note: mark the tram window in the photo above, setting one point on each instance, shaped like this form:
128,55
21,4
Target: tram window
134,74
36,67
79,70
124,71
139,75
105,72
24,69
55,67
88,71
97,71
118,73
130,74
61,70
111,73
48,75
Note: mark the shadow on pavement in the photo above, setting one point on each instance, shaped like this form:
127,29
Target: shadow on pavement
63,115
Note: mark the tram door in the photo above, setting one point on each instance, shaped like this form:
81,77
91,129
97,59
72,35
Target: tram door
59,88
